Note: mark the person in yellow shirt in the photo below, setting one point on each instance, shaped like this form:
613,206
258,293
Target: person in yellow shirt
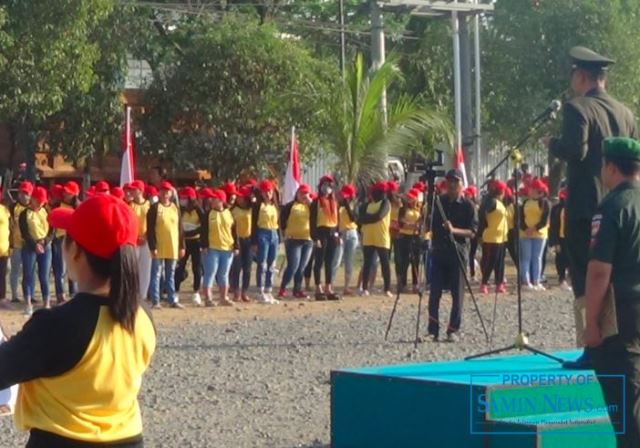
557,238
140,207
80,366
218,244
348,228
68,199
37,236
408,245
241,265
493,229
265,239
295,223
192,220
5,226
375,217
534,227
166,243
324,232
25,189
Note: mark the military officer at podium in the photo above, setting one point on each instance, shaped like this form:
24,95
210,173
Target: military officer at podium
613,287
588,118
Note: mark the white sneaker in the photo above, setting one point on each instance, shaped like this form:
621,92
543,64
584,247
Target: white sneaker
539,287
28,310
529,286
364,293
270,299
565,286
263,298
196,299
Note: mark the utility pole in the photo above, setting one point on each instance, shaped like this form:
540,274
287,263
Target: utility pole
455,27
465,90
343,56
478,104
377,49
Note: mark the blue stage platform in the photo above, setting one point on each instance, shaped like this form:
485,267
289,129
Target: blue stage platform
506,402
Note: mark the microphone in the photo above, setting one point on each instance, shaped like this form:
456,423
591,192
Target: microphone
550,112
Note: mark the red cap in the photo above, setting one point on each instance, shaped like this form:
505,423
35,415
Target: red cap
117,192
137,185
442,186
392,186
230,189
413,193
251,182
562,194
326,179
150,191
499,186
266,185
420,186
26,187
91,191
524,191
39,195
56,191
380,186
72,188
219,194
166,185
187,193
508,192
348,191
100,224
304,188
102,187
471,191
539,185
206,193
313,195
127,187
245,191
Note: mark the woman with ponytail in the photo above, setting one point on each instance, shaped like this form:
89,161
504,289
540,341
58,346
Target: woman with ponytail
82,390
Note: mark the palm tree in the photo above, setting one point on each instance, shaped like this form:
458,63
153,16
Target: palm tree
355,124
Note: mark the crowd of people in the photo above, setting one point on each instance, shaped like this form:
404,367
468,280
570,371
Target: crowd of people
221,232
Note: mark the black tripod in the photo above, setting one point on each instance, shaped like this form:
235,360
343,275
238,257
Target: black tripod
521,341
428,210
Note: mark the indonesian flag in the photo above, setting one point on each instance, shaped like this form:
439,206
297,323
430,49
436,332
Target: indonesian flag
458,163
292,177
127,173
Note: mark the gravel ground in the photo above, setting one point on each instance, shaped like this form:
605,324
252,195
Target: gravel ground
255,378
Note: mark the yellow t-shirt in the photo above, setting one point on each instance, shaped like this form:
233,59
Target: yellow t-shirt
167,232
37,224
532,214
242,218
393,222
497,226
268,217
5,220
325,220
510,216
59,232
411,217
298,225
345,220
377,234
141,210
562,230
191,221
220,234
16,235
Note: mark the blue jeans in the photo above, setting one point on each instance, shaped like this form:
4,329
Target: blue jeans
168,281
59,268
531,250
267,251
298,254
29,260
16,269
346,251
217,264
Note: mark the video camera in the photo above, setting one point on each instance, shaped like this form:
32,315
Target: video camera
431,169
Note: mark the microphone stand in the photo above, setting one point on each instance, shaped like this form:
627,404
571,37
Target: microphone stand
521,341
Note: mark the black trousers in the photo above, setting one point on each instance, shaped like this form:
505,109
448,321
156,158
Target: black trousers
241,264
308,271
577,240
407,251
445,273
492,261
3,277
367,268
473,249
511,246
324,255
613,358
192,250
562,261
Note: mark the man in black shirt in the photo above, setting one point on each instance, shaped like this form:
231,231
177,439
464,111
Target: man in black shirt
461,221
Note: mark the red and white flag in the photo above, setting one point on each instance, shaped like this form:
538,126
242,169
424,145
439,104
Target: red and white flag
127,172
458,163
292,179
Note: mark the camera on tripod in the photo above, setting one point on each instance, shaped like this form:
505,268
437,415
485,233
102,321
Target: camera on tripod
431,169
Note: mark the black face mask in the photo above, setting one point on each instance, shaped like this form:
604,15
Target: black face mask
377,196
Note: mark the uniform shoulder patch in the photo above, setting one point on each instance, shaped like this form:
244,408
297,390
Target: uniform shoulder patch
595,227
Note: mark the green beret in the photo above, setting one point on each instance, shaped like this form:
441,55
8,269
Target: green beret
621,148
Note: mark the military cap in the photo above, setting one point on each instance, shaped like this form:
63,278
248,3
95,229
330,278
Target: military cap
621,148
587,59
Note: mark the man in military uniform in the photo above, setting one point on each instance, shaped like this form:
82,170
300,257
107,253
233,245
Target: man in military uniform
615,262
591,116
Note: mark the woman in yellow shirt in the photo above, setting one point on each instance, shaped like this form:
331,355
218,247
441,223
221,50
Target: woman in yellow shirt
218,244
493,230
37,235
348,228
375,217
324,231
407,245
265,238
80,365
192,219
69,199
241,265
295,224
5,225
534,227
25,189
